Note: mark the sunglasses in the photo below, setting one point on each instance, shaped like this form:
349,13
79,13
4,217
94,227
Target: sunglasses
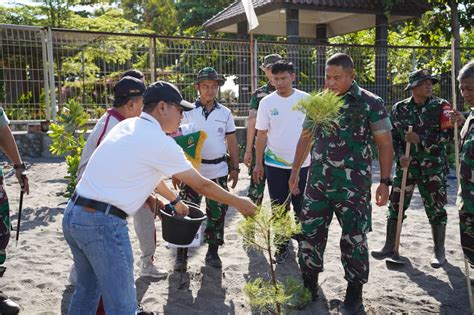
180,108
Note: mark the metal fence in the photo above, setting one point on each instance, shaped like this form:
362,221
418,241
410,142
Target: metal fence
41,69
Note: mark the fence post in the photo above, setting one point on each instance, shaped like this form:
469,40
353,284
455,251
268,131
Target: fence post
152,56
52,87
44,55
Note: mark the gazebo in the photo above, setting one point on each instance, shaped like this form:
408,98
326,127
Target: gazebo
320,20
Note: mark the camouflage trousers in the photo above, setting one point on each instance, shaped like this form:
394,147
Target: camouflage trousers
256,188
432,190
332,191
5,223
466,220
215,211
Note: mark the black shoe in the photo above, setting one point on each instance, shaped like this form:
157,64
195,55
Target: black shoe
181,263
353,301
7,306
212,258
310,282
387,249
141,311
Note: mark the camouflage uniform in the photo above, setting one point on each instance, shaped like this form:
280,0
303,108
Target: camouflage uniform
5,224
214,232
256,189
428,167
339,182
466,202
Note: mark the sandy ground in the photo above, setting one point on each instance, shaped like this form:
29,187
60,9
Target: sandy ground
38,267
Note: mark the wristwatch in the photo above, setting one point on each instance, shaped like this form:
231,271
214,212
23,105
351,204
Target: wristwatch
387,181
174,202
235,169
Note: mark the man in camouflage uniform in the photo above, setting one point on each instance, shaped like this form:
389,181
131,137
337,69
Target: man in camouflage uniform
8,145
257,188
427,165
340,180
217,121
466,200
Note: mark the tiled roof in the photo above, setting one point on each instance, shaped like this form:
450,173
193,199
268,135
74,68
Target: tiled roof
235,13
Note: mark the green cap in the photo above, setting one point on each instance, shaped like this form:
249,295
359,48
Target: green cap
418,76
209,73
269,60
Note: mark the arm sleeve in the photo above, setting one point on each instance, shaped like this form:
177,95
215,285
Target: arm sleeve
263,120
443,136
253,101
230,126
3,118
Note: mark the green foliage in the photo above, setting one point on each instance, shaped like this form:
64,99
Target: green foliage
322,108
157,15
67,138
270,227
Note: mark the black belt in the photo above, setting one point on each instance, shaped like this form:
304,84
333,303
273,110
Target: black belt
99,206
215,161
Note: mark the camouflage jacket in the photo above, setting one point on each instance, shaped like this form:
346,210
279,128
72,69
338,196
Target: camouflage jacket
425,119
348,146
467,159
260,93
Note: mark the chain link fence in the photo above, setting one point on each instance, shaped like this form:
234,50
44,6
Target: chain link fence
41,69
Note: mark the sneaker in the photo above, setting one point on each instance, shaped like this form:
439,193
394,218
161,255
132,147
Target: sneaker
150,270
141,311
281,256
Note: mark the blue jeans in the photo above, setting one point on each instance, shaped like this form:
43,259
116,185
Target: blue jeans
104,262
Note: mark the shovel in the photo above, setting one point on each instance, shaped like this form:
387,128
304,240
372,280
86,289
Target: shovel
22,192
395,259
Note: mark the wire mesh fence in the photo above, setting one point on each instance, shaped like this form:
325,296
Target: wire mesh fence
42,69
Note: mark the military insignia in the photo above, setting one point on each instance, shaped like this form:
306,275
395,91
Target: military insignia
190,141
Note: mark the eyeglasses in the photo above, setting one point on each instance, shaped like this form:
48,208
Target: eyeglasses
177,105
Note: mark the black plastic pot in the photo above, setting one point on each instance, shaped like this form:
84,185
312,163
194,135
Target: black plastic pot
180,230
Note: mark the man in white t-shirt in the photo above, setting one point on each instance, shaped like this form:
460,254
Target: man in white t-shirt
128,103
121,174
278,130
217,121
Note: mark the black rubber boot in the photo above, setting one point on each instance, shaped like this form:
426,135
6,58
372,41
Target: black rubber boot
439,235
387,249
353,301
181,263
7,306
212,258
310,282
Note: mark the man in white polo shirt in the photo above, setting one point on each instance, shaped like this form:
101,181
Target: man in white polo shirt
121,174
218,123
278,131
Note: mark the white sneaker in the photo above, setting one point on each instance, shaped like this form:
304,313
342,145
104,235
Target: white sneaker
150,270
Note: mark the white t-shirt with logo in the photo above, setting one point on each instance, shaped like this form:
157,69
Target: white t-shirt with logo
217,125
130,162
284,126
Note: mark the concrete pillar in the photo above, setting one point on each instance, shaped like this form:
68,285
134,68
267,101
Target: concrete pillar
321,41
381,59
292,37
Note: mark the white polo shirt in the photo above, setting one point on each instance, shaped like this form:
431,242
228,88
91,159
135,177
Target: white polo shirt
284,125
218,123
130,162
109,120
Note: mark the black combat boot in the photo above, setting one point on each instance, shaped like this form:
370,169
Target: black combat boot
353,301
212,258
439,235
181,263
310,282
7,306
387,249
